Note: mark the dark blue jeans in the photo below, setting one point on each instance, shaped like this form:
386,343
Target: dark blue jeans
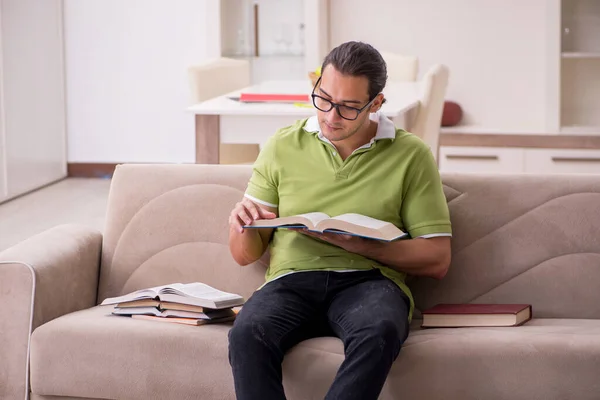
366,310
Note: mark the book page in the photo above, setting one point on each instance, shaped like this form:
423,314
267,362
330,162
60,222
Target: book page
315,217
202,291
299,221
362,220
149,293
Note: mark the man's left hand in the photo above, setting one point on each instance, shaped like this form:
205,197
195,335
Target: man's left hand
353,244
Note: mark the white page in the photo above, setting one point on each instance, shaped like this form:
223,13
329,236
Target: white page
315,217
138,294
203,291
172,285
362,220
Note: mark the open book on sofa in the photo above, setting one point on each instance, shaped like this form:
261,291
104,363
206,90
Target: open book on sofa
351,224
196,293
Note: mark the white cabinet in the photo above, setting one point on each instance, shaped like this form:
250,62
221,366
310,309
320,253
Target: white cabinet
580,66
481,159
509,160
32,99
282,39
562,161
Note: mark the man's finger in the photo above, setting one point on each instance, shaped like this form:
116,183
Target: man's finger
253,210
265,213
235,223
245,217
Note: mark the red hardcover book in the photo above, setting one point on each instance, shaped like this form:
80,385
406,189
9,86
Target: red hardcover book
274,98
469,315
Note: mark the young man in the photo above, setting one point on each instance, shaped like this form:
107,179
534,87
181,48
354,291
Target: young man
348,158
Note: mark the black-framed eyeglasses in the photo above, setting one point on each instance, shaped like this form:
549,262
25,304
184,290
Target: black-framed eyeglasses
344,111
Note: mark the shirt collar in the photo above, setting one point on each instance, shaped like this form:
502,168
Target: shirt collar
385,126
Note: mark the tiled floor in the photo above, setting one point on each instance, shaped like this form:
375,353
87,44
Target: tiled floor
73,200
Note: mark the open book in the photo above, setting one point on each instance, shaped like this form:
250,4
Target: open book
197,294
350,224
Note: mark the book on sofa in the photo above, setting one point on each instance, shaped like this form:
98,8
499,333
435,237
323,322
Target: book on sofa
184,321
473,315
161,305
352,224
195,294
207,314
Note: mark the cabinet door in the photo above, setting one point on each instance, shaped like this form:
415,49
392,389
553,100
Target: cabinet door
481,159
562,161
33,93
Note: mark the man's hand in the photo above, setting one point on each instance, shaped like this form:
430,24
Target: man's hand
353,244
424,257
245,212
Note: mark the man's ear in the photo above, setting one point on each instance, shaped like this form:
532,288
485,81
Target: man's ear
376,105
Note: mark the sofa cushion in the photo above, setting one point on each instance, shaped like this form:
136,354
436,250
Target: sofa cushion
544,359
93,354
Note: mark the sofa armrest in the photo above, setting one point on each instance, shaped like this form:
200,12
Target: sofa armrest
42,278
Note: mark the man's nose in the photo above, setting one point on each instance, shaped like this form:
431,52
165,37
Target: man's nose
333,116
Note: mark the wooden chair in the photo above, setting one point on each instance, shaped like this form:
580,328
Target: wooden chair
215,78
401,68
428,119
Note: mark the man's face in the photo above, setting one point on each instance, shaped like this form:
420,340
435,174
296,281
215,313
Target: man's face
352,91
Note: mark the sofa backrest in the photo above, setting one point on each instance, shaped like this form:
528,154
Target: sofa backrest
516,238
531,239
169,223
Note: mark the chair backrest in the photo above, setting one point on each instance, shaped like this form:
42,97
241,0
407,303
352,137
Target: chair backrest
428,120
401,68
217,77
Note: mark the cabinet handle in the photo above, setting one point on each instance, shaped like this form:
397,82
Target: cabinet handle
471,157
576,159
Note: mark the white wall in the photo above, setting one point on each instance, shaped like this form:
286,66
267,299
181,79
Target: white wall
126,77
496,51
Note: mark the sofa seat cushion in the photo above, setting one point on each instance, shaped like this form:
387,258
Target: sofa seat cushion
93,354
544,359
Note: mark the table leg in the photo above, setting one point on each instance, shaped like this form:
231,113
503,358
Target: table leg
207,139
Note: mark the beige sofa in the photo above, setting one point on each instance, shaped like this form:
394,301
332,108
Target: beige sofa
533,239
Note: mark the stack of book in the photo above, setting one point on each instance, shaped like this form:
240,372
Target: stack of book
191,304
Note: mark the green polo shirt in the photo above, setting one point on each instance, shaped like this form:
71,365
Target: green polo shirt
393,178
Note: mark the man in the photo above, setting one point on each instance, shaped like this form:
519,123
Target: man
348,158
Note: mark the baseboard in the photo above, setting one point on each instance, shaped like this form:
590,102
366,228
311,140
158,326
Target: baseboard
90,170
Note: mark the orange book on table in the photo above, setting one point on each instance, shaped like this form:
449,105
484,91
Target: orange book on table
275,97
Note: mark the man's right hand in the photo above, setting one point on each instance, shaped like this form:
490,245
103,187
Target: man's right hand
245,212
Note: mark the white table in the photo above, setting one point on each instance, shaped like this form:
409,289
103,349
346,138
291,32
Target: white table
222,120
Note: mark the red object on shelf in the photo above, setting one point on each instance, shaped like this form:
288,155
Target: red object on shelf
275,97
452,114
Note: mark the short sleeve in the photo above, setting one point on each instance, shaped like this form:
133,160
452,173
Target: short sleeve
424,209
263,184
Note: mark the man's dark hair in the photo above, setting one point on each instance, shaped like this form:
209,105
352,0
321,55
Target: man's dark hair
359,59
